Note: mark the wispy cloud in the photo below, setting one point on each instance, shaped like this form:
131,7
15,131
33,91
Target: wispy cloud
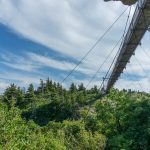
67,26
44,61
18,62
3,85
32,62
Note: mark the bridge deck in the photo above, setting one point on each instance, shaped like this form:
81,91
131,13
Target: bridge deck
139,25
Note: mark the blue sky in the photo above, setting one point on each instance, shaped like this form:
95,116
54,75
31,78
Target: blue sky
47,38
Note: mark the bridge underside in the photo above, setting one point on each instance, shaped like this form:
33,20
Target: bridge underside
139,25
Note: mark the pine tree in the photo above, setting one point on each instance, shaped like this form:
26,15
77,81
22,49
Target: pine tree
40,89
14,93
81,87
73,88
30,96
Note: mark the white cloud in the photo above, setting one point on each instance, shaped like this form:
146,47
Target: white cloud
22,80
32,62
3,85
18,62
141,85
68,26
44,61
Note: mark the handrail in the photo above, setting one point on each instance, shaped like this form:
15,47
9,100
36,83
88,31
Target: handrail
124,45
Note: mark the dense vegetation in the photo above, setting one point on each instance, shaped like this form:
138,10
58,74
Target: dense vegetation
53,118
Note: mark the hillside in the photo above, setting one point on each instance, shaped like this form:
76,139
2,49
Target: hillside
53,118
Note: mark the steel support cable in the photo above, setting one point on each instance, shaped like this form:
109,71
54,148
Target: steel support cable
102,81
148,56
128,20
100,69
138,61
111,65
149,31
110,53
95,44
103,63
122,40
123,36
108,70
142,49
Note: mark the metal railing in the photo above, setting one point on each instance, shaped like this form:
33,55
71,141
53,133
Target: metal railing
136,16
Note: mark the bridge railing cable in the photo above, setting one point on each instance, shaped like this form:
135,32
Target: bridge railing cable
114,60
120,40
106,59
95,44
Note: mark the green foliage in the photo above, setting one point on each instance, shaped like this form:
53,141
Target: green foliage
125,120
13,95
17,134
79,138
54,118
73,88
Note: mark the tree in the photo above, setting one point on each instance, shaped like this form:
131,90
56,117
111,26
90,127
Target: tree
73,88
40,89
80,98
81,87
14,94
95,89
30,96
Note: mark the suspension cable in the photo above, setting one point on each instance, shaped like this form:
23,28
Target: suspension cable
95,44
103,62
123,37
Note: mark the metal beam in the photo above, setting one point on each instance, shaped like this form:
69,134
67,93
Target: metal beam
139,25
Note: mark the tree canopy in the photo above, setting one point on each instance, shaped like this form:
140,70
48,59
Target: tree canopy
54,118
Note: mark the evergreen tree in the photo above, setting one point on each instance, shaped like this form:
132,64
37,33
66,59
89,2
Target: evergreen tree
95,89
73,88
30,96
14,93
49,84
80,98
81,87
122,116
40,89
